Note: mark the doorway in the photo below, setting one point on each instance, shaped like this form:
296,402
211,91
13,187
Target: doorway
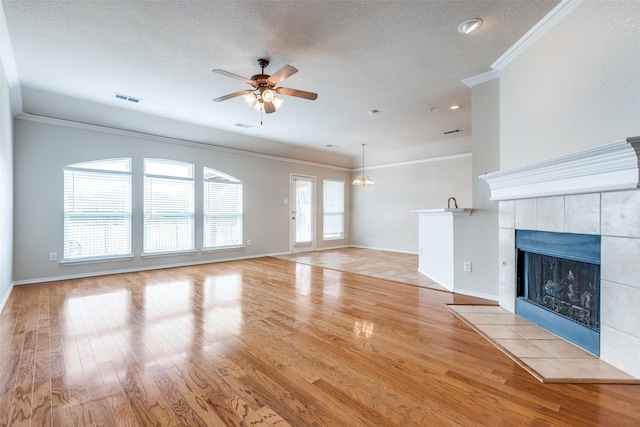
303,213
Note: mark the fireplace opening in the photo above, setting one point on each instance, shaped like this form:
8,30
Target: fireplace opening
558,284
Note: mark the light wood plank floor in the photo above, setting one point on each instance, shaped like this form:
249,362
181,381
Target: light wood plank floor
269,342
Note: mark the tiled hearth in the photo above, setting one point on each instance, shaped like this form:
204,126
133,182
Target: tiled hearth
601,197
547,357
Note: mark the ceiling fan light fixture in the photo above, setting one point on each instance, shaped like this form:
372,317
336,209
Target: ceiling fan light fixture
259,106
249,98
268,95
470,25
277,102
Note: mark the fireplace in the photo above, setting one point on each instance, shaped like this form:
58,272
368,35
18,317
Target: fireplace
592,192
558,284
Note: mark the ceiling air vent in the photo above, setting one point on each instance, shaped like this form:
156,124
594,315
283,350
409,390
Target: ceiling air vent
243,125
127,97
452,131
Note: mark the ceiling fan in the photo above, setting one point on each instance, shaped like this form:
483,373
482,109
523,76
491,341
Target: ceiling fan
262,95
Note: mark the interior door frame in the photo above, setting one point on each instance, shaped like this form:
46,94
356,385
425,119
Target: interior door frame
293,246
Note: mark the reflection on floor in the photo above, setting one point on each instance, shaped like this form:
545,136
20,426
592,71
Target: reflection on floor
395,266
546,356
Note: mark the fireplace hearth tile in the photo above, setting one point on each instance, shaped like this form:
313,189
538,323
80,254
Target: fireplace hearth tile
552,360
563,349
505,318
594,369
553,370
499,332
523,348
532,332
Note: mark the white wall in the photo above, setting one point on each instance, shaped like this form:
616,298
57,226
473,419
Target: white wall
477,235
576,87
381,217
6,189
43,148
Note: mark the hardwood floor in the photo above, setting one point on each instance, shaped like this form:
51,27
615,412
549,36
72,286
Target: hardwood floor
269,342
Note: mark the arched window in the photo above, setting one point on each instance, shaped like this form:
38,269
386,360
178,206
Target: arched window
222,209
97,209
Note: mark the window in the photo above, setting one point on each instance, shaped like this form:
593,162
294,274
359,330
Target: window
222,196
97,209
168,206
333,209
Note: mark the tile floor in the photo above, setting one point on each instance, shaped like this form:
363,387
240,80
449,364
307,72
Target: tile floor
546,356
396,266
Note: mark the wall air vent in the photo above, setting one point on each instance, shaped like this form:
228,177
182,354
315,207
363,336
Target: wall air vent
452,131
127,97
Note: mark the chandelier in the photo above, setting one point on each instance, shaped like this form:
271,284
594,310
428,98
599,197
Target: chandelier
363,180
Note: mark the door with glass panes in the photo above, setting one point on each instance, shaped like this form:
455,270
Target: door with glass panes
302,213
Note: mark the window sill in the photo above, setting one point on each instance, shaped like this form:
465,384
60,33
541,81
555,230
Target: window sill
324,239
165,254
95,260
223,249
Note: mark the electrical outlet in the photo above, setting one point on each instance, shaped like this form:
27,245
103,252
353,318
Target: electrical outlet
467,266
53,256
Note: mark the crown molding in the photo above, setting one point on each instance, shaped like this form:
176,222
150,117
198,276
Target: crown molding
542,27
481,78
609,167
556,14
417,161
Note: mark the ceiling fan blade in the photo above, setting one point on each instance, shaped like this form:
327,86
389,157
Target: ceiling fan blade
233,95
283,73
295,92
269,107
234,76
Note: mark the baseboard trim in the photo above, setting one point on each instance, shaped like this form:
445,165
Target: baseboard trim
475,294
133,270
6,297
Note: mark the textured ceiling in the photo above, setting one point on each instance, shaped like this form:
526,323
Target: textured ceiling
404,58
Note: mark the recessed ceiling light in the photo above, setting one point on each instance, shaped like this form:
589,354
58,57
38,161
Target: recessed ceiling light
455,107
470,25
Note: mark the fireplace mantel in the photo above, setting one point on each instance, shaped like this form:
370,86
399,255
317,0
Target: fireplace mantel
609,167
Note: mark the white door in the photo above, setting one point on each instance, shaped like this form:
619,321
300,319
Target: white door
303,213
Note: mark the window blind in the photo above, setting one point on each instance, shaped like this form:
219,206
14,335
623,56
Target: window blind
222,210
168,207
97,210
333,209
